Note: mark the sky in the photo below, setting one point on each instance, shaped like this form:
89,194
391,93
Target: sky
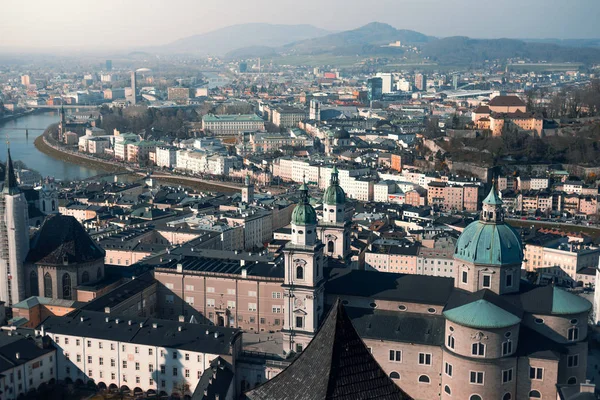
127,24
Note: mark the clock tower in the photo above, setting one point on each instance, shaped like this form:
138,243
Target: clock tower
303,285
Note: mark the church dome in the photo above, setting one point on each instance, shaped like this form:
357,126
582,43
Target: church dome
489,241
334,194
304,213
490,244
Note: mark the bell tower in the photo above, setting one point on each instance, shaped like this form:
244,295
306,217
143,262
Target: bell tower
334,229
49,197
303,280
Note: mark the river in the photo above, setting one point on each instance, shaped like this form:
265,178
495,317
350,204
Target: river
22,148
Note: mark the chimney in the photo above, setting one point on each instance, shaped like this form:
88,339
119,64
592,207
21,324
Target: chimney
216,335
129,322
181,318
18,355
82,319
107,319
205,392
154,325
180,328
587,387
244,273
106,310
179,267
117,321
216,396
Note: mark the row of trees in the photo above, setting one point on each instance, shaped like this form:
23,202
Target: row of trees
569,102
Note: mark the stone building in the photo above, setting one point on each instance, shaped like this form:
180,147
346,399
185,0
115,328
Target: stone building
62,257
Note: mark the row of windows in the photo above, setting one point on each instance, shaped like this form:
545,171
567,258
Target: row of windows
67,287
478,349
487,280
163,353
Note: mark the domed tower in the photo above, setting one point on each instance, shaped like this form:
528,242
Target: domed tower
489,252
303,279
481,339
334,229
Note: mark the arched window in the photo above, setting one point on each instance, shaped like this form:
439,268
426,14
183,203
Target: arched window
447,389
573,334
299,272
424,379
572,381
47,285
534,394
99,273
33,284
330,246
66,286
85,277
507,396
475,397
395,375
53,206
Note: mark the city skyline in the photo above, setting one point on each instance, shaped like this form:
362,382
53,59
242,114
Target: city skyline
182,18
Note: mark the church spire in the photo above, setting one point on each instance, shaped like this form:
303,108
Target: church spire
10,181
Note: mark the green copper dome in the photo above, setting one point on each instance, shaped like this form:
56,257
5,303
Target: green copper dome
334,194
304,213
489,243
564,302
482,314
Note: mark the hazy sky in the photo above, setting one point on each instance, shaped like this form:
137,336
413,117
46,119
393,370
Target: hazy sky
129,23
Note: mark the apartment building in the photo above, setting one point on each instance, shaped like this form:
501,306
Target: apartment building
232,124
287,117
143,356
26,364
166,156
401,258
233,292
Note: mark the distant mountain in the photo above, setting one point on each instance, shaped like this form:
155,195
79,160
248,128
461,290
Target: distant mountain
461,50
366,39
227,39
568,42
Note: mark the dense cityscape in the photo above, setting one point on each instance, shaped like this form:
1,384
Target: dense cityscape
287,212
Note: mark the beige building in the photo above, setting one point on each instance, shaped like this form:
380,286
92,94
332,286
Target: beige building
287,117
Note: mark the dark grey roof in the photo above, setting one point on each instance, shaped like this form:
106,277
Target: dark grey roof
397,327
389,286
27,348
459,298
62,238
335,365
227,266
215,381
534,344
121,293
192,337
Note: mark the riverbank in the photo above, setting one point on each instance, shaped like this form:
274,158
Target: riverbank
43,146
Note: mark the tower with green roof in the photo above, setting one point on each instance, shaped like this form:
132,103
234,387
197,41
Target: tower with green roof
303,279
334,229
489,252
